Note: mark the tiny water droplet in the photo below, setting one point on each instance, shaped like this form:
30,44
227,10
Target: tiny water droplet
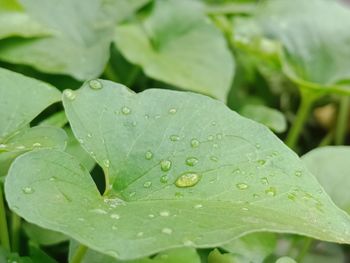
257,145
215,145
213,123
151,215
52,178
147,184
36,144
167,231
174,138
148,155
236,171
89,135
242,186
146,116
106,163
126,110
80,140
194,143
70,94
172,110
298,173
99,211
164,179
271,191
191,161
164,213
115,216
27,190
139,234
179,195
20,147
210,137
261,162
198,206
245,208
219,136
187,179
95,84
165,165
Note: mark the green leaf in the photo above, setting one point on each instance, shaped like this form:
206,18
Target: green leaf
12,21
270,117
285,260
169,157
21,100
79,46
188,255
325,253
316,52
57,119
330,166
43,236
253,247
6,256
27,140
178,45
216,256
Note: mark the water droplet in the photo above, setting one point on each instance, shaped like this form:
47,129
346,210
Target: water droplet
167,231
271,191
146,116
245,208
157,116
187,179
126,110
219,136
148,155
214,158
81,219
172,110
191,161
20,147
215,145
147,184
261,162
80,140
198,206
115,216
151,215
95,84
89,135
99,211
265,180
52,178
164,179
188,243
292,196
164,213
242,186
70,94
36,144
165,165
134,123
257,145
237,170
112,253
210,137
194,143
106,163
298,173
27,190
174,138
139,234
213,123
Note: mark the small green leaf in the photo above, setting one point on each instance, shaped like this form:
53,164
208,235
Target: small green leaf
43,236
58,119
216,256
270,117
21,100
252,247
178,45
330,166
146,143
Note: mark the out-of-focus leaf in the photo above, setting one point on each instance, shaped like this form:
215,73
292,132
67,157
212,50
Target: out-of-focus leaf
42,236
285,260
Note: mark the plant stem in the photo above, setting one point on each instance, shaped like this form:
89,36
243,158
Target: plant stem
307,244
327,140
4,234
307,99
15,232
79,254
342,120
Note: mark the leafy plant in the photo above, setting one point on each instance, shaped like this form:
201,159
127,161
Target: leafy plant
134,152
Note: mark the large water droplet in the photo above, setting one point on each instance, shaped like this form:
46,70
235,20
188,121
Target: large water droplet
95,84
147,184
167,230
148,155
271,191
187,179
70,94
242,186
165,165
194,143
126,110
106,163
27,190
191,161
174,138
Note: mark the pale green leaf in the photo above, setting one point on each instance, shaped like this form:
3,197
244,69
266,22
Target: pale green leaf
285,260
183,170
331,167
216,256
43,236
178,45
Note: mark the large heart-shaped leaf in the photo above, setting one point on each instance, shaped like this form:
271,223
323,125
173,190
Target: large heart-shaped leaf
79,45
330,165
315,44
182,170
178,45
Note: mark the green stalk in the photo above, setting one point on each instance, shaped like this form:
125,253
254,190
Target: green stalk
342,120
15,232
307,100
79,254
4,234
327,140
307,244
